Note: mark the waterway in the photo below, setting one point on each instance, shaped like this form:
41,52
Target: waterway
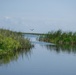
43,59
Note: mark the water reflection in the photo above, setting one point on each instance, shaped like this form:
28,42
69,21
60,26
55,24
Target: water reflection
62,48
44,60
51,46
13,56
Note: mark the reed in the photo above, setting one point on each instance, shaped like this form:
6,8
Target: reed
59,37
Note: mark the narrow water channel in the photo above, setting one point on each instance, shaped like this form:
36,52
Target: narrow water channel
43,59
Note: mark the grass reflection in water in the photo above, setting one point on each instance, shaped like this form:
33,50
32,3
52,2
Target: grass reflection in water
62,48
13,56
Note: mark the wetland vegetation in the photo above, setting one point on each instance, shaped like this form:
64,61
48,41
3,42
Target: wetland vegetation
11,41
59,38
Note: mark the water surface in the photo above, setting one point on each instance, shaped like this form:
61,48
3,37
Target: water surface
43,59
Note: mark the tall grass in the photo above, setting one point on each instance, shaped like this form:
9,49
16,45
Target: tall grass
59,37
10,41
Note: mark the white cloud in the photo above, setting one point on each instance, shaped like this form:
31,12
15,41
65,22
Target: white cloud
7,17
24,24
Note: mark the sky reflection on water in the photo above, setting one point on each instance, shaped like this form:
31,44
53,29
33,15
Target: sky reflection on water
42,60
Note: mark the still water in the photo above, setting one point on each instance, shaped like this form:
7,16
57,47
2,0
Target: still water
43,59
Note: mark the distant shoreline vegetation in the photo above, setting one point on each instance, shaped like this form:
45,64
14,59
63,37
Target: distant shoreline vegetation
59,38
11,41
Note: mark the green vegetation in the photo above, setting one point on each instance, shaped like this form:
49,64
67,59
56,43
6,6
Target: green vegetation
59,38
13,56
12,41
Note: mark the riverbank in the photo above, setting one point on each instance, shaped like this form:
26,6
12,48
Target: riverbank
11,41
59,38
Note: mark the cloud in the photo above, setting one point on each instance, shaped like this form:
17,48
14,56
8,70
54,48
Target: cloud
24,24
7,17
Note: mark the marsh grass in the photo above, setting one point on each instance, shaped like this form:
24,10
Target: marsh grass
59,38
11,40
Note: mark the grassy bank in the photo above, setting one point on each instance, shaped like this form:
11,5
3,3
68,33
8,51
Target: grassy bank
59,38
10,41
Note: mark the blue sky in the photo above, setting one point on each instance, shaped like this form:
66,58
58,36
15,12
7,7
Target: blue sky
40,15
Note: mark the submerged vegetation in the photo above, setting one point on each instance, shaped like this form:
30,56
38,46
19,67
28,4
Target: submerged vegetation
59,38
12,41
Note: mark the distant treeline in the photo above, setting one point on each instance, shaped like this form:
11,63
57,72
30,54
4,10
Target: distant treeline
35,33
59,37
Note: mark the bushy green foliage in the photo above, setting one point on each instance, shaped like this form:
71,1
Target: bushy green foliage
9,43
10,40
59,37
